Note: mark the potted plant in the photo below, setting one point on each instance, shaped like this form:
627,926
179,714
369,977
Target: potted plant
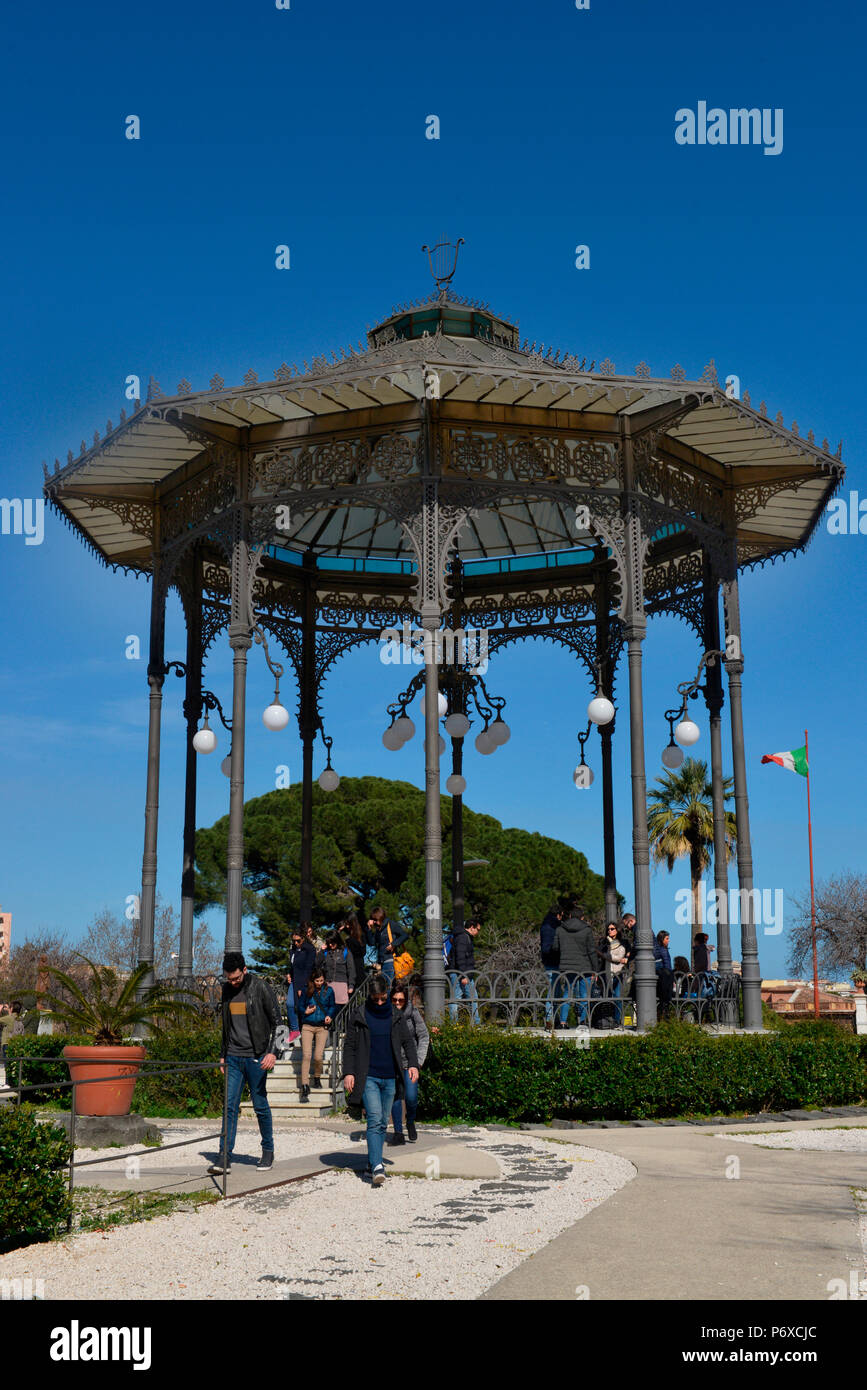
105,1008
859,980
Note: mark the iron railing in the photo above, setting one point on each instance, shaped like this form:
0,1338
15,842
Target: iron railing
119,1070
532,998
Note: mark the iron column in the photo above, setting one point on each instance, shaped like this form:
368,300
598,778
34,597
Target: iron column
457,841
156,676
307,725
192,710
750,973
713,696
635,629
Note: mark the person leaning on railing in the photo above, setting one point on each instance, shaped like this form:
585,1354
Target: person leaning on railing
462,966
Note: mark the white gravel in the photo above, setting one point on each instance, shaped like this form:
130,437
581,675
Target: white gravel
817,1140
336,1238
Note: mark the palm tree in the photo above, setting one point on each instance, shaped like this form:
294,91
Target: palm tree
680,821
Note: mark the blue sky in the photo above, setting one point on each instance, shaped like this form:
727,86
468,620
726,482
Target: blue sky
307,127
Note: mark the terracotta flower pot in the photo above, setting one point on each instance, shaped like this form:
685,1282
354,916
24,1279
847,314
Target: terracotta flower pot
103,1097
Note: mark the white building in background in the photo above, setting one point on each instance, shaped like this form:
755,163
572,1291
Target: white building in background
5,935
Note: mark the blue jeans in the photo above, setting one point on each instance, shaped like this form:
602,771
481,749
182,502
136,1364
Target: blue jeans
467,991
241,1070
616,987
552,972
411,1090
292,1012
577,987
378,1100
387,969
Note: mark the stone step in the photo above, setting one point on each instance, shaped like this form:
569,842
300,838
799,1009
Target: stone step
283,1110
291,1086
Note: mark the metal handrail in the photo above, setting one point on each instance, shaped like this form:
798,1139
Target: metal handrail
338,1037
161,1069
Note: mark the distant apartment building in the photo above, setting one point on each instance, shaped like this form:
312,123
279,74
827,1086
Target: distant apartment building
5,934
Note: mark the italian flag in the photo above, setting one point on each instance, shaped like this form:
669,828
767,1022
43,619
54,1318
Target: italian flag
795,761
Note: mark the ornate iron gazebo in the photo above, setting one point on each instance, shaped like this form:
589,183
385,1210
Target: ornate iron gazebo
330,503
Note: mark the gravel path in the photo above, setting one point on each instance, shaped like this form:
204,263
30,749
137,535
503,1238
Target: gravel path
335,1237
827,1140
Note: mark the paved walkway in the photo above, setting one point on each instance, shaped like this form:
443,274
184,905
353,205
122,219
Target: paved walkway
453,1159
683,1230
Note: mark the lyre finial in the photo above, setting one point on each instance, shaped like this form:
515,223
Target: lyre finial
439,257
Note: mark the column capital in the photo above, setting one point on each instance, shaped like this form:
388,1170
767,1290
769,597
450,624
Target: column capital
240,636
431,614
635,629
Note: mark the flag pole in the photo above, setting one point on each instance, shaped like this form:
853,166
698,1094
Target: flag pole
812,888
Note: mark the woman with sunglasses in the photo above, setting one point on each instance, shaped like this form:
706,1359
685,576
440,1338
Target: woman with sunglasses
402,1003
615,950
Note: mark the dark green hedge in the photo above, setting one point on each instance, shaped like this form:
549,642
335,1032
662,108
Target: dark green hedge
29,1045
483,1074
34,1191
185,1093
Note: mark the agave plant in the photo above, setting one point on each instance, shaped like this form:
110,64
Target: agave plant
106,1009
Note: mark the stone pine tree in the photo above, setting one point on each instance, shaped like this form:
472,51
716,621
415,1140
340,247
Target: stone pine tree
368,850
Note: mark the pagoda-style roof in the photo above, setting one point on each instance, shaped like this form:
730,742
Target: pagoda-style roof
513,415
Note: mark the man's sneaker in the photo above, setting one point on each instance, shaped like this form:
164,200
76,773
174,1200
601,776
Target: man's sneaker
317,1083
267,1159
378,1175
396,1138
217,1170
411,1131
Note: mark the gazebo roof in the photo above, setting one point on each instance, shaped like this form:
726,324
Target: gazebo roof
484,380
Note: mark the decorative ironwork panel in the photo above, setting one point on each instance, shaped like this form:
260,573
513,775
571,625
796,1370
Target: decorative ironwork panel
210,494
503,456
389,457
